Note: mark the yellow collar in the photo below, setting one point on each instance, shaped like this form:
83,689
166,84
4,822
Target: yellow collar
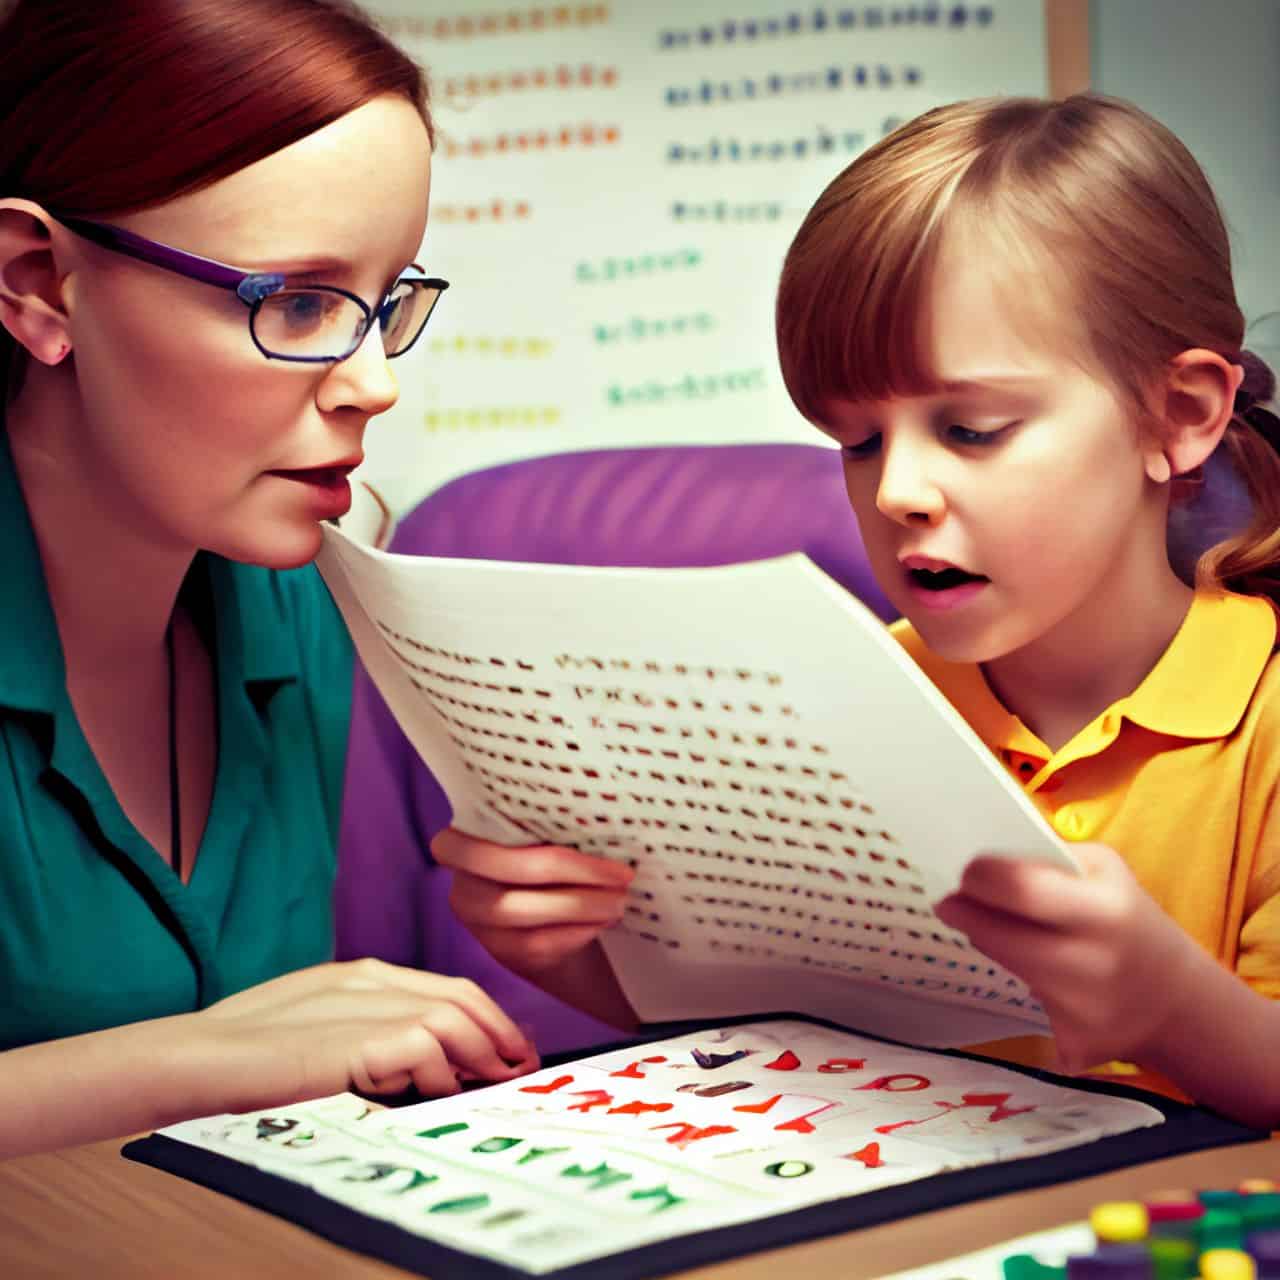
1200,688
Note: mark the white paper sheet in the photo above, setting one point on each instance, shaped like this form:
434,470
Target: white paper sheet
654,1141
794,792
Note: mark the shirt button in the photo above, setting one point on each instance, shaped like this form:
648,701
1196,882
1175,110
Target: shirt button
1071,822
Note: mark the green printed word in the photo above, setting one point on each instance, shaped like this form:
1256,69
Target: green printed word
662,327
601,1177
645,264
690,387
723,211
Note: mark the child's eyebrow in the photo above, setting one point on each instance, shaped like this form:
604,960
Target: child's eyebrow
985,382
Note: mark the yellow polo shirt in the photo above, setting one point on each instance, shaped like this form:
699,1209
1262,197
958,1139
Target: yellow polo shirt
1179,777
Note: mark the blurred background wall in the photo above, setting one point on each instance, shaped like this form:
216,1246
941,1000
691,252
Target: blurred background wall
1210,70
614,187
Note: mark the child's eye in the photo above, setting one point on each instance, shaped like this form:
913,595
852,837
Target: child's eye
863,449
968,436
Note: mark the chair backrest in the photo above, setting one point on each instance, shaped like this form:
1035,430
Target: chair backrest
657,506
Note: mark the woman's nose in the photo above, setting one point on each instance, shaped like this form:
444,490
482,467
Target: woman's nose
363,380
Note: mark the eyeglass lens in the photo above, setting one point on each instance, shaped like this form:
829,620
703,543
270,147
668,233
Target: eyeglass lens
319,324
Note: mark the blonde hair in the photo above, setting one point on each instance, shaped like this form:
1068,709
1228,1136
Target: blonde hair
1108,208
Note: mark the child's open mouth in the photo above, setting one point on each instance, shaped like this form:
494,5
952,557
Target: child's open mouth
943,579
945,588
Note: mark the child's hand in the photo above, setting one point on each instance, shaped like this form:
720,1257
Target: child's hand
1096,950
531,908
363,1025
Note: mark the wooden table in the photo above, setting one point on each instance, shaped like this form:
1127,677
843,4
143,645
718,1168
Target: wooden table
86,1212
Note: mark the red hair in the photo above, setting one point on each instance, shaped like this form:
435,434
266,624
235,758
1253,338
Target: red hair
111,107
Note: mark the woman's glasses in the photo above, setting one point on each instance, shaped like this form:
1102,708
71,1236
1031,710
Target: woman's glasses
311,324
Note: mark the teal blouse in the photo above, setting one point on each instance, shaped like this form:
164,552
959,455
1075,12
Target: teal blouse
95,928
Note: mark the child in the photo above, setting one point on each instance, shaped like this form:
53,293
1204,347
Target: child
1017,320
174,688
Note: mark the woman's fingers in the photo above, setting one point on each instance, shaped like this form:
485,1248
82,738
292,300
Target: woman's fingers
408,1054
383,1025
506,1037
465,1043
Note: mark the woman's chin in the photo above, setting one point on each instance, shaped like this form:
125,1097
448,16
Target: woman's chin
279,545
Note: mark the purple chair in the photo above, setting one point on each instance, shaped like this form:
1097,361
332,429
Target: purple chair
665,506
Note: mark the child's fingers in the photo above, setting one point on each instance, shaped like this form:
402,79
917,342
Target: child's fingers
530,951
537,865
1048,960
1037,891
481,902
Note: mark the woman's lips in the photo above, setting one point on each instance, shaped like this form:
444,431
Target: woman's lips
327,488
327,477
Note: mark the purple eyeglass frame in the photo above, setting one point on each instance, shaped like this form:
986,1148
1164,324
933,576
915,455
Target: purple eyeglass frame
251,287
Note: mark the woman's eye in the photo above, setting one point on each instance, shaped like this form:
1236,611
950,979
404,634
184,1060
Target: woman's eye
863,449
303,311
307,307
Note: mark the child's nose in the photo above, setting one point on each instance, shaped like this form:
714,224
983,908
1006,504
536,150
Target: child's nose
908,492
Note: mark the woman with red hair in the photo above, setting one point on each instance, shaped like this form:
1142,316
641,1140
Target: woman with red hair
210,212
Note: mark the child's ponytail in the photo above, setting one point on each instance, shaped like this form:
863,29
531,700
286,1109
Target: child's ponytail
1249,562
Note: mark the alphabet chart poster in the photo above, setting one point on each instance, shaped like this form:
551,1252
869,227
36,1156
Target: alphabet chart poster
614,186
636,1147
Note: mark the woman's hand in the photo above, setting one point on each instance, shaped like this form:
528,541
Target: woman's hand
1101,957
531,908
363,1025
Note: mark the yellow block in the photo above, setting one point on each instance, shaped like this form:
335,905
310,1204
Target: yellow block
1226,1264
1119,1222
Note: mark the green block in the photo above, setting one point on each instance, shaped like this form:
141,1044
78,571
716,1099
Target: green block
1174,1259
1213,1199
1220,1229
1261,1212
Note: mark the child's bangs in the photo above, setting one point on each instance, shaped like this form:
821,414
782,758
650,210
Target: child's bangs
852,311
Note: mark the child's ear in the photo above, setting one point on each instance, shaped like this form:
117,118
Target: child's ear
1193,405
31,301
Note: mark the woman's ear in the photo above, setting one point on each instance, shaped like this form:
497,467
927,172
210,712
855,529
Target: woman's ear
31,296
1193,405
